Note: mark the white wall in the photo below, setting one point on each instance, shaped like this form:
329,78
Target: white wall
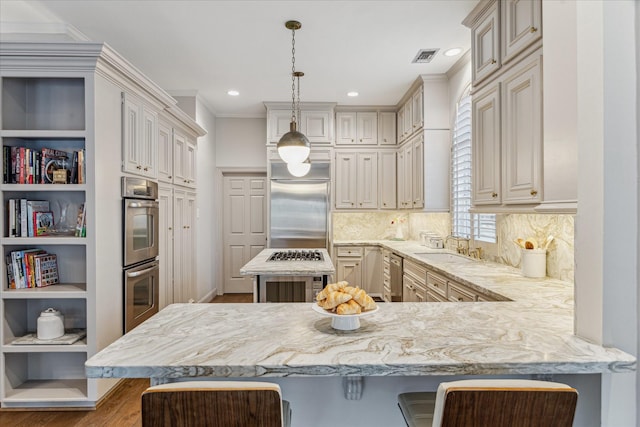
459,79
241,142
606,237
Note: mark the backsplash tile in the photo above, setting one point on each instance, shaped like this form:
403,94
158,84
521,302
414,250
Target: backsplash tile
560,258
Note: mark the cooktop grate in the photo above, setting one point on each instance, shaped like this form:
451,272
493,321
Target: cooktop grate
296,255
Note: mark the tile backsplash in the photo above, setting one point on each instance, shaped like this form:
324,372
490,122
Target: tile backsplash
378,226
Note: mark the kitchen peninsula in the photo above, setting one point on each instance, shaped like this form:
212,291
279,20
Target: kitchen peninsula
402,347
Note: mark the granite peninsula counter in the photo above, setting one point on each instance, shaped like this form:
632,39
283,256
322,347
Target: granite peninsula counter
402,347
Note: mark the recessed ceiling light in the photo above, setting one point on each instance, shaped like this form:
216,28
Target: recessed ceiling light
452,52
233,92
352,93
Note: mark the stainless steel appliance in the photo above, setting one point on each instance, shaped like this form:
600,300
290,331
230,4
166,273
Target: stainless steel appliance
140,212
396,277
299,209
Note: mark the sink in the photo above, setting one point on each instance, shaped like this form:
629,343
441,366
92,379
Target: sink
444,257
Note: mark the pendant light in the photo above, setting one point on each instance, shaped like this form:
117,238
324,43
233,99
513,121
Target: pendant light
294,147
299,169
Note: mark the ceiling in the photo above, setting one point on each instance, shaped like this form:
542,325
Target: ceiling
210,47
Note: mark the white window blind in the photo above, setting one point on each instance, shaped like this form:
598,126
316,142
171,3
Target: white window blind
464,224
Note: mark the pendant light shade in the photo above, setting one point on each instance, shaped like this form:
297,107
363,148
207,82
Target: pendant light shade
299,169
294,147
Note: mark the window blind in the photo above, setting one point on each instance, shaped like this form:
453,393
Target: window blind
464,224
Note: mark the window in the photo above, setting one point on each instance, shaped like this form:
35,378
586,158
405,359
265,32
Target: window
463,223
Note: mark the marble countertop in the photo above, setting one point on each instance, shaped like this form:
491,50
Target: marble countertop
259,265
400,339
497,280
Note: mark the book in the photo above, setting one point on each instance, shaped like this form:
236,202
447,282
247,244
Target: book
46,269
6,164
42,223
52,160
17,270
34,206
11,282
81,222
29,261
12,218
24,222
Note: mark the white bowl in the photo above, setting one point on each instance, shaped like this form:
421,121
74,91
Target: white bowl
343,322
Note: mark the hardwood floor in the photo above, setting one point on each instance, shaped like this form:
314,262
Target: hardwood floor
120,409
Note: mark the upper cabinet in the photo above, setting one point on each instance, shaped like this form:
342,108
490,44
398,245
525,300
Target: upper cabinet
316,121
356,183
353,128
387,128
139,137
424,106
500,31
507,105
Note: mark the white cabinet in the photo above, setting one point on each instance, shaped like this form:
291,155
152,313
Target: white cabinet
486,146
522,133
361,266
521,25
386,275
485,44
184,238
372,280
165,152
165,246
184,159
417,106
507,149
349,264
387,128
414,285
388,177
405,176
356,128
139,137
417,175
356,183
315,121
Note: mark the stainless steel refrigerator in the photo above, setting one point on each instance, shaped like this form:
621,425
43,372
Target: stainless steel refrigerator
299,210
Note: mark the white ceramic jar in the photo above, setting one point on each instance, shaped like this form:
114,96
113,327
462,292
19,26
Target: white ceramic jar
50,324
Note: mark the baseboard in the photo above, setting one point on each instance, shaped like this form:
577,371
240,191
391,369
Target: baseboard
209,296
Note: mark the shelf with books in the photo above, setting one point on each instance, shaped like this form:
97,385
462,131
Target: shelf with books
57,291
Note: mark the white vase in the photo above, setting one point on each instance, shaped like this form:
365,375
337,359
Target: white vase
399,235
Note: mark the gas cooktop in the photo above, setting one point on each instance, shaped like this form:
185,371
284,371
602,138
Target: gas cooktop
296,255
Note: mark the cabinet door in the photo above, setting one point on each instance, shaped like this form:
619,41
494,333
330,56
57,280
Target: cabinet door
521,26
367,128
407,119
417,113
350,270
190,159
179,160
317,125
165,247
345,128
190,292
165,152
131,134
387,182
345,182
367,180
400,125
373,275
486,146
408,289
400,184
179,231
417,183
522,134
149,145
407,196
485,48
387,128
279,123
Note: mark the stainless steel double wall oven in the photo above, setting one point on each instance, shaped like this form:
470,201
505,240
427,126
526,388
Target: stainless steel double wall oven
140,211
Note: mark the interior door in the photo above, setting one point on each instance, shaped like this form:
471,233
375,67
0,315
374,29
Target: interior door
245,227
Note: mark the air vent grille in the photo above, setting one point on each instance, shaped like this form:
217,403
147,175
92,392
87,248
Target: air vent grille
424,56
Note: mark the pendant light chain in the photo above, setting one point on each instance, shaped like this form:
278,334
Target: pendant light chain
293,78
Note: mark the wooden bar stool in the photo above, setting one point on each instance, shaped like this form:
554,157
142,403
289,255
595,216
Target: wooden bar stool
215,404
491,403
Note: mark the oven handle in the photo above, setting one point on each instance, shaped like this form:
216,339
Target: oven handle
142,204
141,272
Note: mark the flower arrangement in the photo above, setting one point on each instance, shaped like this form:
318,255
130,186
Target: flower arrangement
398,220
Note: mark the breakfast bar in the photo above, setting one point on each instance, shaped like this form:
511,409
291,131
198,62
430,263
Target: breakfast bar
401,347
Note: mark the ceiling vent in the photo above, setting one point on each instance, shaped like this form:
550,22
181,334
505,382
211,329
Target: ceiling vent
424,56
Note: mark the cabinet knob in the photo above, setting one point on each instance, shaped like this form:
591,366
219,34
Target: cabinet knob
360,139
534,192
385,139
138,167
170,228
494,195
146,169
169,177
493,61
361,204
384,204
352,204
533,29
352,140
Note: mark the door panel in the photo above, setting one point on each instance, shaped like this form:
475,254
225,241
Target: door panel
245,225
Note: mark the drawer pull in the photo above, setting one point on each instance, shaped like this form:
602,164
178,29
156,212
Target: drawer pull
533,29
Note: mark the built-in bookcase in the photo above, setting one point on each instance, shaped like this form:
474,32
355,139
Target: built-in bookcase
46,112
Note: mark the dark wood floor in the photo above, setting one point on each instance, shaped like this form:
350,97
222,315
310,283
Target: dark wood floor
120,409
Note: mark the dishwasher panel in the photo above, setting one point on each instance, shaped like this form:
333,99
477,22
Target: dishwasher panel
396,277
